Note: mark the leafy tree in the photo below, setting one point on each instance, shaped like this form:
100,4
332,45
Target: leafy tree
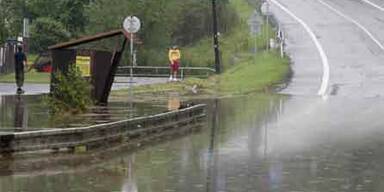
11,18
71,13
45,32
164,22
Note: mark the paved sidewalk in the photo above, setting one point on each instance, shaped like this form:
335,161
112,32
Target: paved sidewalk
33,89
30,89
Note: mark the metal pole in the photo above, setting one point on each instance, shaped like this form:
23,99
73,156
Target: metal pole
215,38
267,24
131,72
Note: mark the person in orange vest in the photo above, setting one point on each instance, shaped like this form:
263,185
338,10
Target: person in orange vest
174,55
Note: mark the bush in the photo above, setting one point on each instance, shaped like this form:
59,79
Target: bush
71,92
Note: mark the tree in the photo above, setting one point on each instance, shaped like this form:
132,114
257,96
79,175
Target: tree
71,13
45,32
164,23
11,18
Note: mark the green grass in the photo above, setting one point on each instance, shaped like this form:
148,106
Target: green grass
30,77
31,58
243,72
256,73
232,45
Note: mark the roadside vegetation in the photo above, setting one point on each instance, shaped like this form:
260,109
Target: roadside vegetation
71,93
30,77
247,64
244,71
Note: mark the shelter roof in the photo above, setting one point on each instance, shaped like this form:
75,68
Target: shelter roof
91,38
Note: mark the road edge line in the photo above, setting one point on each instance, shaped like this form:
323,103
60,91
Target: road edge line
373,38
374,5
326,71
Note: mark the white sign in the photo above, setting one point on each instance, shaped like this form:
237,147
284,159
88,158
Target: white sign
265,8
131,24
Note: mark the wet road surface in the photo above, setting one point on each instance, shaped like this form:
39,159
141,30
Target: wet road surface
31,112
250,144
299,142
33,89
349,32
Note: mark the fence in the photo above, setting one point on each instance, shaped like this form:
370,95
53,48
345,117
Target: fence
7,58
155,71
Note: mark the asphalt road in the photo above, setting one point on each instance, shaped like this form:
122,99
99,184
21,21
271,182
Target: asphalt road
338,45
336,103
350,34
326,135
33,89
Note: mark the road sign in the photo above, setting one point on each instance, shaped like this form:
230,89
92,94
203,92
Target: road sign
131,24
265,8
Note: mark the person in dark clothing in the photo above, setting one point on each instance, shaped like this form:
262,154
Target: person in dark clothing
20,62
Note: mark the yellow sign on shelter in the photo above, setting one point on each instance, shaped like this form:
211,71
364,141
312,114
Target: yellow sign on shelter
84,64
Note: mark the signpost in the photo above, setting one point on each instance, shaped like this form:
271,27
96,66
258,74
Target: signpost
266,12
131,25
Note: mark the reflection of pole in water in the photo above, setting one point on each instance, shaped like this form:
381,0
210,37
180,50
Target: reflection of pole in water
174,101
130,100
265,140
212,151
20,119
130,184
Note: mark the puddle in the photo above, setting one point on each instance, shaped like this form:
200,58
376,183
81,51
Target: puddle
21,113
255,143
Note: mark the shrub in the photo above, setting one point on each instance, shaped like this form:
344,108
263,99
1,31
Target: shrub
71,92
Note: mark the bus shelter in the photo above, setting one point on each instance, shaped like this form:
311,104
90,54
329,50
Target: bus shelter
96,64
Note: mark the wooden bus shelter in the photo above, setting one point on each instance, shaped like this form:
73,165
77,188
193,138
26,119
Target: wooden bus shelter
98,65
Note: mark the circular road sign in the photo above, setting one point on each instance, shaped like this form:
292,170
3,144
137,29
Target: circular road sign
265,8
131,24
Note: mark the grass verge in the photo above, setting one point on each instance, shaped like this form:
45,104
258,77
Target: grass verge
243,72
30,77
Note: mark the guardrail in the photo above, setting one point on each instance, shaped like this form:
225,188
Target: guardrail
161,71
95,136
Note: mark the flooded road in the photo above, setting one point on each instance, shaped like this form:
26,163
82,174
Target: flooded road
31,112
301,142
254,143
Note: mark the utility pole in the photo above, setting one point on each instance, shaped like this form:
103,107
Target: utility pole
25,34
216,38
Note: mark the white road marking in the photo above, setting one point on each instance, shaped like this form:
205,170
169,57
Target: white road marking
354,22
326,72
374,5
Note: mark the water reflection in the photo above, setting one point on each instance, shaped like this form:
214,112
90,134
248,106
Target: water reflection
21,118
130,181
30,112
256,143
174,102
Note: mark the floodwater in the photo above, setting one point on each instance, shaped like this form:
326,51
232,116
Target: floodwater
30,112
254,143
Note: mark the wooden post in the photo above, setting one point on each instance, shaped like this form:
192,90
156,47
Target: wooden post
111,76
